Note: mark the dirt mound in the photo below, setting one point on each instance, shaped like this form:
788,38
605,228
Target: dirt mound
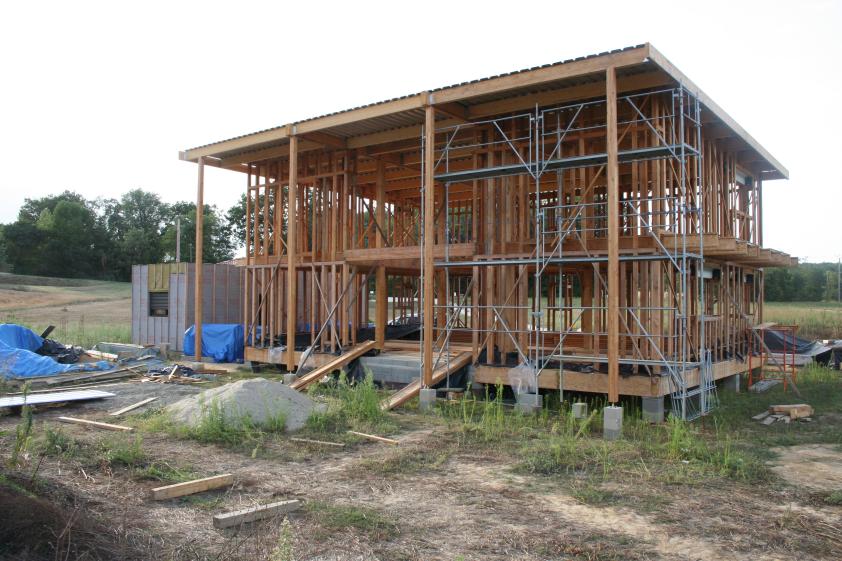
258,399
36,528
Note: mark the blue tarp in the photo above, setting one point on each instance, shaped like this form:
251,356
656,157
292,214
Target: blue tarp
221,341
17,359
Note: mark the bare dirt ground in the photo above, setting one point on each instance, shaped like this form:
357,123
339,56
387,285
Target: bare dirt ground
814,466
432,497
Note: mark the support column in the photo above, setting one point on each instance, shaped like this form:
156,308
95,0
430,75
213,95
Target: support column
429,240
292,251
380,285
198,293
613,237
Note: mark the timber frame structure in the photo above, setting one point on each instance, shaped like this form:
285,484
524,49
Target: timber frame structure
597,221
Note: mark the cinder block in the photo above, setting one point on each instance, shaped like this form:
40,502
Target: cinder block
289,378
612,422
580,411
426,399
653,409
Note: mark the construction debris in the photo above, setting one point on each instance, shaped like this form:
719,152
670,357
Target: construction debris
239,517
318,442
785,414
375,437
52,398
133,406
192,487
95,424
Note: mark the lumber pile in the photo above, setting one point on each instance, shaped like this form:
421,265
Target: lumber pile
785,414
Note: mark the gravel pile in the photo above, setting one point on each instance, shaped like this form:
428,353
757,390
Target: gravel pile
257,398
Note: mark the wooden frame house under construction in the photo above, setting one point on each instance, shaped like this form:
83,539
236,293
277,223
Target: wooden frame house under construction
596,222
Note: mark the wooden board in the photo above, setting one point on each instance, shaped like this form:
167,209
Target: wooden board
133,406
411,390
318,442
795,411
335,364
192,487
95,424
246,515
375,437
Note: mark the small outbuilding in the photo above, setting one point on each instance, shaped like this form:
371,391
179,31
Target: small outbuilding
164,296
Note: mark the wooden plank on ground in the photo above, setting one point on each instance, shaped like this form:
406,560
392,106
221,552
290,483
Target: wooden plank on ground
192,487
95,424
335,364
411,390
375,437
794,411
133,406
239,517
319,442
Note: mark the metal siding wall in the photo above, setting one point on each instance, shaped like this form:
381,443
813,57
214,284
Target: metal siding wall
136,308
223,303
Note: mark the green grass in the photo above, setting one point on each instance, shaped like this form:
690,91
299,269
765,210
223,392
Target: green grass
726,444
815,320
118,452
350,406
216,425
340,518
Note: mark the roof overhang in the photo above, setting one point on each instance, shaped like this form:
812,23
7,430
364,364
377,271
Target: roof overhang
638,68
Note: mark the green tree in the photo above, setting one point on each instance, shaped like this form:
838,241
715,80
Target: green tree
217,238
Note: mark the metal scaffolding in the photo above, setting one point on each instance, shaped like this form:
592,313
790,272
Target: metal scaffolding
568,223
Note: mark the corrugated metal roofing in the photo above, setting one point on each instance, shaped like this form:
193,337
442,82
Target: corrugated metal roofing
379,127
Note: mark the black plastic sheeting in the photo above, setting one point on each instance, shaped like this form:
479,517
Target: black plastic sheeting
782,341
58,352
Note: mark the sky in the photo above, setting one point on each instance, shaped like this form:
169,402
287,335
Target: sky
99,98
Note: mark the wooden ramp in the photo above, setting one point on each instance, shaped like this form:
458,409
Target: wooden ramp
411,390
335,364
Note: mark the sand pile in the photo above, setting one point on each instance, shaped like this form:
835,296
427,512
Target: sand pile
257,398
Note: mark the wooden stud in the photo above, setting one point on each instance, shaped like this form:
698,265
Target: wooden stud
192,487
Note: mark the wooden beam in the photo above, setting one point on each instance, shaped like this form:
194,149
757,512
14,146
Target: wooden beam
192,487
292,251
380,288
239,517
133,406
94,424
335,364
375,437
198,276
429,241
612,172
326,139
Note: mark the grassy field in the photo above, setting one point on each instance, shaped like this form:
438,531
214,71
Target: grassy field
84,312
815,320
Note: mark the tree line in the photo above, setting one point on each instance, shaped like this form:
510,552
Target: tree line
67,235
808,282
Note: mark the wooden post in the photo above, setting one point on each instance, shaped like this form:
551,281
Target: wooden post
613,237
292,251
380,281
198,300
429,240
